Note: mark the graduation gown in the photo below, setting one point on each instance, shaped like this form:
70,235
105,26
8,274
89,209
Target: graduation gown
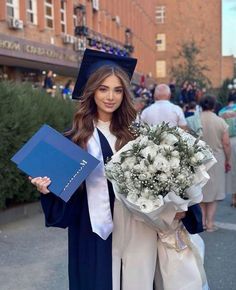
90,257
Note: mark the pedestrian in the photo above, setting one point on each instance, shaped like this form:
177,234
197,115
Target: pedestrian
163,110
67,90
48,83
215,134
190,109
101,124
228,113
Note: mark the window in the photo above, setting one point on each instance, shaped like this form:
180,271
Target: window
49,13
63,16
160,14
160,68
32,11
161,42
13,9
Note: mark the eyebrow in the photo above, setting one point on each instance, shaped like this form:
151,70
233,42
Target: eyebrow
118,87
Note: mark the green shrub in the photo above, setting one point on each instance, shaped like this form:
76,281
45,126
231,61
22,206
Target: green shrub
23,110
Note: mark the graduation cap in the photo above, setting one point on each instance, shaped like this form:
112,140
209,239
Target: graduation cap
93,60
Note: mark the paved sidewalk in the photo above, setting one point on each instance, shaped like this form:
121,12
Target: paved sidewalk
33,257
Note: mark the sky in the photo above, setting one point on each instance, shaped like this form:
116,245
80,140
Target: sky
229,27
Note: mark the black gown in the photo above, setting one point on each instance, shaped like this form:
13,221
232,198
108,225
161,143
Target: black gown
90,257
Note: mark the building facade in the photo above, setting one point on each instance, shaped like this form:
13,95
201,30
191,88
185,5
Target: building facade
180,22
228,67
43,35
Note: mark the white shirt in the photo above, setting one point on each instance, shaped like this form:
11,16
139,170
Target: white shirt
104,127
164,111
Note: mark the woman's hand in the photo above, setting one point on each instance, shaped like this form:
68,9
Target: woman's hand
41,183
180,215
227,166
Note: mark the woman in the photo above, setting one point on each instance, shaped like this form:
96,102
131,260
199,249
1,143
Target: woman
67,90
228,113
215,134
105,110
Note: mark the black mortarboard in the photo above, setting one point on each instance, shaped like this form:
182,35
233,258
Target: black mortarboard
93,60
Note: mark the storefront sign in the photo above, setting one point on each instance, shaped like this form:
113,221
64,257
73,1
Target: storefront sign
28,48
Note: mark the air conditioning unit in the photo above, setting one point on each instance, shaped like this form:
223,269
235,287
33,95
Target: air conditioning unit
80,45
95,4
68,39
16,23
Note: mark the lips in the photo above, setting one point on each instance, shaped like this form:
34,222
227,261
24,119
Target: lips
109,105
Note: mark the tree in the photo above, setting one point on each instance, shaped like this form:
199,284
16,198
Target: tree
188,66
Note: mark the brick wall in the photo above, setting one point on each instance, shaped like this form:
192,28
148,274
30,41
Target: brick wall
188,20
227,67
111,20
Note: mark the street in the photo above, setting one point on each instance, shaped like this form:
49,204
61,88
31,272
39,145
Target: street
33,257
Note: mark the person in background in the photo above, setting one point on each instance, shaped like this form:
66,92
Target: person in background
139,105
163,110
190,109
228,113
67,90
215,134
48,83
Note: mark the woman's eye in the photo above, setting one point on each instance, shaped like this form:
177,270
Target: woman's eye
119,91
102,89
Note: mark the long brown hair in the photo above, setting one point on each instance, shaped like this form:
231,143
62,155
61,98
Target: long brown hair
122,118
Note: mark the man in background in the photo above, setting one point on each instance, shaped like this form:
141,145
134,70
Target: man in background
163,110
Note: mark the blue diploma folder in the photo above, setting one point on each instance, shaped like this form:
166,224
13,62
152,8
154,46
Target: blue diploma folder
49,153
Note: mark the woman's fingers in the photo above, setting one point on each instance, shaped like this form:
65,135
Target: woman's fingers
180,215
41,183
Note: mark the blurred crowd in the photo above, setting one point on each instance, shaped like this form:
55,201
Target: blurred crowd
206,118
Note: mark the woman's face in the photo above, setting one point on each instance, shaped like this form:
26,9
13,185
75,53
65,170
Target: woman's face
108,97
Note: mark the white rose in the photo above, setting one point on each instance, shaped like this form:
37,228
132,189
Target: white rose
165,147
169,139
174,162
193,160
143,141
199,156
175,153
128,163
149,150
143,165
161,163
152,168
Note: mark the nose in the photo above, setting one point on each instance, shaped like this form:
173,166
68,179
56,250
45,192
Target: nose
110,95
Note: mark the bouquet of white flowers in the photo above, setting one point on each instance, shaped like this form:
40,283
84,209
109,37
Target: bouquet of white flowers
160,173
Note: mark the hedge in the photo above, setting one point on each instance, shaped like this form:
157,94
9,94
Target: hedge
23,110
